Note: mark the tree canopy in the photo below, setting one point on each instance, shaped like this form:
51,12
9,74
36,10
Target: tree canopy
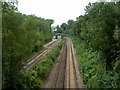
22,36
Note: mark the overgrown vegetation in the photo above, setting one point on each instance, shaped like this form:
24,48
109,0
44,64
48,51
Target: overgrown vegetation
37,75
22,36
93,67
96,37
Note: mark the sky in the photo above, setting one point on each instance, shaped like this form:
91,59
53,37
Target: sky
58,10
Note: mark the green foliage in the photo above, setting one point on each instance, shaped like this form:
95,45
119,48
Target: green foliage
22,36
70,24
64,26
59,29
36,77
97,44
93,67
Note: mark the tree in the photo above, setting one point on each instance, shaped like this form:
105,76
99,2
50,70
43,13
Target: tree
22,35
64,26
70,24
101,33
59,30
50,22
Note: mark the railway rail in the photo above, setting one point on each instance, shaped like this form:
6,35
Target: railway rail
36,58
65,72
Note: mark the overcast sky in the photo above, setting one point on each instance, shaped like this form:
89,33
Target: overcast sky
58,10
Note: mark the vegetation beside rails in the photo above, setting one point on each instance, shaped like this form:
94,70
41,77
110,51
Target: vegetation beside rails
96,37
37,75
93,67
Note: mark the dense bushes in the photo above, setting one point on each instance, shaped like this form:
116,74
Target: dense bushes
35,78
92,66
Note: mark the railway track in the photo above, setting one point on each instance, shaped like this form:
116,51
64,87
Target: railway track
36,58
65,72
